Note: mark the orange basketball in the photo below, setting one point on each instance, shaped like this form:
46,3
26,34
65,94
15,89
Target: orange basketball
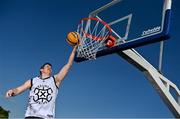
73,38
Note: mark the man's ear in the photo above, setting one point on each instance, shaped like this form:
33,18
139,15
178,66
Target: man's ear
41,70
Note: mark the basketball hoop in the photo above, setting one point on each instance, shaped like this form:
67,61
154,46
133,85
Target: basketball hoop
93,36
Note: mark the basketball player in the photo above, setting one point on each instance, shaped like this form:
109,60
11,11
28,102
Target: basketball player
43,90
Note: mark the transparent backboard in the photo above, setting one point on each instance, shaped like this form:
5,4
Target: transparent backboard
134,23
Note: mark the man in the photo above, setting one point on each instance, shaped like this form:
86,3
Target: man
43,90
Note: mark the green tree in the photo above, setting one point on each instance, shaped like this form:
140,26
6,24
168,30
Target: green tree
3,113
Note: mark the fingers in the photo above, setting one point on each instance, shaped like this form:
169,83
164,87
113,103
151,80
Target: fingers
76,46
9,93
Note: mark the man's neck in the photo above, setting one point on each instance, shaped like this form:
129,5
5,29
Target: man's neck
44,76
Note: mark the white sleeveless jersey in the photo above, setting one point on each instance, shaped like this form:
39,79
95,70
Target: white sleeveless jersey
42,98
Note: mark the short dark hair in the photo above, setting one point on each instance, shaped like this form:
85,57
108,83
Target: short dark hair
47,63
42,66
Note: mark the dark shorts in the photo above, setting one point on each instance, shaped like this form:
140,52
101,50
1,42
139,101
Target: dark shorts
31,117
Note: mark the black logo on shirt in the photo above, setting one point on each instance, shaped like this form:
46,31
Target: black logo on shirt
43,94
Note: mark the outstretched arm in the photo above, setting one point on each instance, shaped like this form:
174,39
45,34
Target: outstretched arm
63,72
18,90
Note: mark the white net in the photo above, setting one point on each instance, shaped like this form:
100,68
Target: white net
93,34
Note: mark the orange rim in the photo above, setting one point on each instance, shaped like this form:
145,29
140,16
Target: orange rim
93,36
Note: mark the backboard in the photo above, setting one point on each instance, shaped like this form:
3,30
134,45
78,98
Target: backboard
133,23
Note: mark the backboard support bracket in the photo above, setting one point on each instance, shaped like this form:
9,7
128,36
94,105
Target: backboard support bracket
159,82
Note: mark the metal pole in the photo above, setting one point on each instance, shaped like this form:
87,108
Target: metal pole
161,56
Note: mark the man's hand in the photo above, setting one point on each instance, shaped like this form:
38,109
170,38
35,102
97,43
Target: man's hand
10,93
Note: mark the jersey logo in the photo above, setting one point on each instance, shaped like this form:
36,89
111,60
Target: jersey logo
43,94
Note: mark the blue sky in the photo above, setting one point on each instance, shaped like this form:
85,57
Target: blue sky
33,32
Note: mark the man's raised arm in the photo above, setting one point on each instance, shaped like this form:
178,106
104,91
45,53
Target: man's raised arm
63,72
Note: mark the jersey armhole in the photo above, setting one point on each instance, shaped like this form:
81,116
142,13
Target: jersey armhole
55,83
31,83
